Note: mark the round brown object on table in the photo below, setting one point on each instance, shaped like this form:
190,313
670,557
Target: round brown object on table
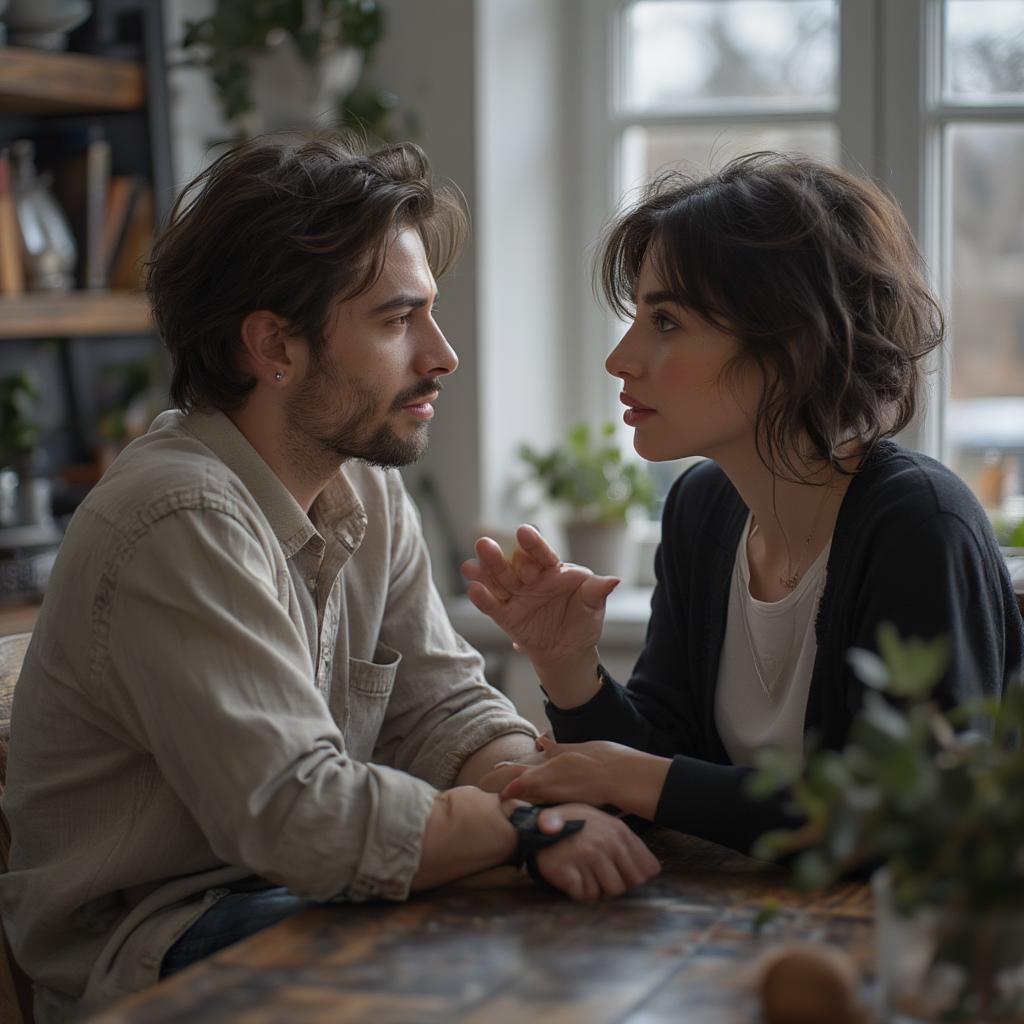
803,983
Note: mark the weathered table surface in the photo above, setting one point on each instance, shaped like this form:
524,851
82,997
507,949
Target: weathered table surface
496,949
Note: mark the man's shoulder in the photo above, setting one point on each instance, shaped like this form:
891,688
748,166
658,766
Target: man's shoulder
166,469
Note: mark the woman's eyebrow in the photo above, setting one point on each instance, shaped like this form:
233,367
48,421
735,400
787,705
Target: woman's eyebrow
664,295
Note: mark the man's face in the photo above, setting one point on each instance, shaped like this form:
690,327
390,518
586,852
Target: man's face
368,395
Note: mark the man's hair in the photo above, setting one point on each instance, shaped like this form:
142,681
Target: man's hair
816,273
288,225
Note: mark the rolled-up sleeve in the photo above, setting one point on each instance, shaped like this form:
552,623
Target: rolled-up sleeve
442,710
216,682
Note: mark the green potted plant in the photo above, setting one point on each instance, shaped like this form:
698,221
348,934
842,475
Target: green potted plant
284,64
937,799
597,489
19,450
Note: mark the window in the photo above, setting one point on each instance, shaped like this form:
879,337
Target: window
927,96
978,115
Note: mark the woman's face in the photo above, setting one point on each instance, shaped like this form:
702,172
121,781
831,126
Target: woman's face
671,362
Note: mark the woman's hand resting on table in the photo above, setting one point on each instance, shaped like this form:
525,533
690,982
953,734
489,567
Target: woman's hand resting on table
553,612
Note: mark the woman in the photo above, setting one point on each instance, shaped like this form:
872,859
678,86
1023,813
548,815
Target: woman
779,327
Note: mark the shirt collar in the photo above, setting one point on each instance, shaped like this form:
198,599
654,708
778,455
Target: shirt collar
336,511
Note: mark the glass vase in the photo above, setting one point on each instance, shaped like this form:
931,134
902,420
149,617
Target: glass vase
939,964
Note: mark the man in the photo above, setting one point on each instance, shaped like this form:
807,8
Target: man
243,692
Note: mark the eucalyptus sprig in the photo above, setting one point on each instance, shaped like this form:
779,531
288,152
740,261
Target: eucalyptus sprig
590,477
936,796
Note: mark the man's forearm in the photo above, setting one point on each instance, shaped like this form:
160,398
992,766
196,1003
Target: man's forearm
510,747
468,831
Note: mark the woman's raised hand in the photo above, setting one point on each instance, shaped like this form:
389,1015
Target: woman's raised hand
553,612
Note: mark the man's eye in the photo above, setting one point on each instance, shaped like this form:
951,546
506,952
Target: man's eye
661,322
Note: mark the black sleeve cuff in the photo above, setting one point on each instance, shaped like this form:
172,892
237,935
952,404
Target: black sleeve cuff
710,801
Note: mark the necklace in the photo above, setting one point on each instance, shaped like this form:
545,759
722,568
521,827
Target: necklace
743,592
793,573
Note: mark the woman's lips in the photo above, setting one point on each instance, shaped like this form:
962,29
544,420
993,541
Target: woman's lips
637,412
634,417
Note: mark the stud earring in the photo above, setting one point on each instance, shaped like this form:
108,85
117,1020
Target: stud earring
278,375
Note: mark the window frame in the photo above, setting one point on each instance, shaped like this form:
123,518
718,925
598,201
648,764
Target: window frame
891,118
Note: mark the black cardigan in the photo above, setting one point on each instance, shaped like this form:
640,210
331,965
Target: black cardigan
911,546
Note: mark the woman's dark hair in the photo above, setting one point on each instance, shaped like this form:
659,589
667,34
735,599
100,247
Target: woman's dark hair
817,274
288,225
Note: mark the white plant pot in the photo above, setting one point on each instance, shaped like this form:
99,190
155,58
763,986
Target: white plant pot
288,93
44,24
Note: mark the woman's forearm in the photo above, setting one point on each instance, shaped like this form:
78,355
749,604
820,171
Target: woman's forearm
636,781
569,682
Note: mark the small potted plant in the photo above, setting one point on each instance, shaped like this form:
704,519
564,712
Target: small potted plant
936,799
20,451
284,64
598,489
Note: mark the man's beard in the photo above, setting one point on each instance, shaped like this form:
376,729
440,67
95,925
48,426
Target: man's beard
327,421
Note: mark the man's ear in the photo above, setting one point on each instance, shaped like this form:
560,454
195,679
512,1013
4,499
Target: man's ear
268,347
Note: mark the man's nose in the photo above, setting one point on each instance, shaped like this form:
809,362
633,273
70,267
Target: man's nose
437,357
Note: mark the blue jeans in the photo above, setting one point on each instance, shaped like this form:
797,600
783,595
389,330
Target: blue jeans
232,918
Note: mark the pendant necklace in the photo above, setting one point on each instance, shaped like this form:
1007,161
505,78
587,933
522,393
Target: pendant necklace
789,581
744,595
792,575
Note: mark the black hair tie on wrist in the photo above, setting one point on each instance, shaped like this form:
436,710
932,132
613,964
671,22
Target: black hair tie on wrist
531,840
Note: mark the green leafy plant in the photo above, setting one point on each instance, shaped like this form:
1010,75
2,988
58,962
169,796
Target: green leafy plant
590,478
938,799
225,42
19,431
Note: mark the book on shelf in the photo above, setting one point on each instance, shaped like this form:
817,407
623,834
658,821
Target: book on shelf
97,182
135,241
12,271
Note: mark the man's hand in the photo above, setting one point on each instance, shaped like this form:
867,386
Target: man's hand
553,612
603,860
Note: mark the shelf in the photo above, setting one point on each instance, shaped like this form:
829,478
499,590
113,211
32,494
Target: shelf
39,82
70,314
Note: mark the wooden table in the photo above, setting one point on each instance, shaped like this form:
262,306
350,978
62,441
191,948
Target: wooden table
496,949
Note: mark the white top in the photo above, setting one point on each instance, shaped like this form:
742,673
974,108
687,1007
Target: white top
764,673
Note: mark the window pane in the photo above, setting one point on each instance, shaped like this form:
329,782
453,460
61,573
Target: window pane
985,217
704,148
687,55
984,51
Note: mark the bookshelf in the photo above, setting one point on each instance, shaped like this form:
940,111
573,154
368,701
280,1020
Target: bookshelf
35,82
110,84
80,313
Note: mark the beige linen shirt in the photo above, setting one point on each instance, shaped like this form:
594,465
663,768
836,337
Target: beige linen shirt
220,686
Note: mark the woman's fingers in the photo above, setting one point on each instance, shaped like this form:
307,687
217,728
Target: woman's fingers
501,775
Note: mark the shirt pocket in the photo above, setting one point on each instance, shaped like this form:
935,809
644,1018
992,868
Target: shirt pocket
369,687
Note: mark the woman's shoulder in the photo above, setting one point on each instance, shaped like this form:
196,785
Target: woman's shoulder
896,476
704,480
906,494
